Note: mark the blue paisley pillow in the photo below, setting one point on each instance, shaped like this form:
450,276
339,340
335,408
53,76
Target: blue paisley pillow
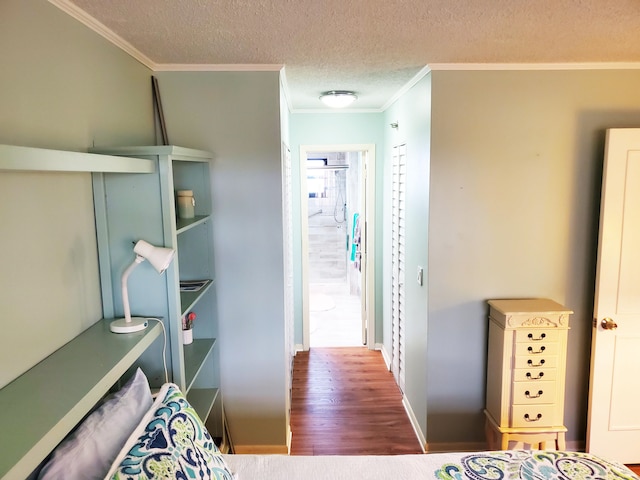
170,442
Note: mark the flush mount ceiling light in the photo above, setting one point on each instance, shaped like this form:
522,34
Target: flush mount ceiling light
338,98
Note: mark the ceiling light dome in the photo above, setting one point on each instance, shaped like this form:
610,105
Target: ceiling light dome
338,98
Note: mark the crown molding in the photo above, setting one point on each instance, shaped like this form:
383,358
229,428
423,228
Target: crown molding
407,86
90,22
284,86
102,30
537,66
210,67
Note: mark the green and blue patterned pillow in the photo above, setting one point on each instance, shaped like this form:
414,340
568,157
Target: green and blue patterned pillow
171,442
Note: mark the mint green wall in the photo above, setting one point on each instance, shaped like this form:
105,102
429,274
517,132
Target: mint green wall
516,163
236,115
334,129
64,86
61,87
412,112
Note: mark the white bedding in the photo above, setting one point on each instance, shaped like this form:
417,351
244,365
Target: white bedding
531,465
282,467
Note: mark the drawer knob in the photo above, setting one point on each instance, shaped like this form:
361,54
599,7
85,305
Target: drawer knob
531,364
530,377
529,419
542,349
541,337
528,394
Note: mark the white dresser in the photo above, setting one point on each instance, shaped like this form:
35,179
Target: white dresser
526,365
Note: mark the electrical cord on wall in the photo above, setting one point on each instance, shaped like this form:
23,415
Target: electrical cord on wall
164,348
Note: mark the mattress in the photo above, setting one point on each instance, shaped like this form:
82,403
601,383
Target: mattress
472,465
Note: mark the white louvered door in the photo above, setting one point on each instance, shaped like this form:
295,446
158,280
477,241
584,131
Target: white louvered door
397,263
288,269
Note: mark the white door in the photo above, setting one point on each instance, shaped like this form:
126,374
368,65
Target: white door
398,263
287,236
614,417
364,300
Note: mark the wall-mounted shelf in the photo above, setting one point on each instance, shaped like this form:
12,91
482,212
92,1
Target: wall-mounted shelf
189,299
39,408
24,159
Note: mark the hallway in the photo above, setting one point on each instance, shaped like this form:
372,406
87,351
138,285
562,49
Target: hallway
345,402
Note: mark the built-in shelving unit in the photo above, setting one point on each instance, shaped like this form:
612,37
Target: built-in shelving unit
39,408
144,208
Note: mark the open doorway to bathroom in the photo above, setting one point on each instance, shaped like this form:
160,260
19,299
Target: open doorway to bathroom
333,182
336,297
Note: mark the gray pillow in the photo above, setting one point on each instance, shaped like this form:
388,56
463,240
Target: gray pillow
89,451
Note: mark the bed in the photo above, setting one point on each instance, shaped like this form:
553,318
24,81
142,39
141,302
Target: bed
478,465
85,432
132,435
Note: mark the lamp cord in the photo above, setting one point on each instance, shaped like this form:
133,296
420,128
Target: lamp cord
164,348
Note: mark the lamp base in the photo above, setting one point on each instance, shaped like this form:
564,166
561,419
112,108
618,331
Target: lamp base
122,326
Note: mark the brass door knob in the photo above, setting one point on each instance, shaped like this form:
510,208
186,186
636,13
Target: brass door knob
608,324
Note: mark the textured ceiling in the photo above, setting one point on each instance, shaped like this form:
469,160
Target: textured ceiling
370,46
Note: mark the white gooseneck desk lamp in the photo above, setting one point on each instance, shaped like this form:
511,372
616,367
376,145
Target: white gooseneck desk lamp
160,258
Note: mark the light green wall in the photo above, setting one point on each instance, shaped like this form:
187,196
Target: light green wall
412,112
61,87
65,87
334,129
516,165
515,170
236,115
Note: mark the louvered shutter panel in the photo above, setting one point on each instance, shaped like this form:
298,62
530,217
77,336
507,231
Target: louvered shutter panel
398,236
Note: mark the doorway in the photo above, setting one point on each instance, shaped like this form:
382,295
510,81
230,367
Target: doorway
337,219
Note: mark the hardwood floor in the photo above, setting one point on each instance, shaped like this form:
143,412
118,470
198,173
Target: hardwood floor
346,402
635,469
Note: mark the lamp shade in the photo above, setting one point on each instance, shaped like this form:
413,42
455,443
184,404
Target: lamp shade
159,257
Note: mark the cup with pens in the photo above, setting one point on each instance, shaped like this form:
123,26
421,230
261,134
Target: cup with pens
187,328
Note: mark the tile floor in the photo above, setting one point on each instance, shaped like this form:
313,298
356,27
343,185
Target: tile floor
334,316
334,313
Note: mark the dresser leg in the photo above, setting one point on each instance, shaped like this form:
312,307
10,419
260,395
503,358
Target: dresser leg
560,443
488,431
504,441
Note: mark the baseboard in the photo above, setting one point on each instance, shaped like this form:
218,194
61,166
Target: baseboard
445,447
298,347
414,421
385,355
261,449
576,445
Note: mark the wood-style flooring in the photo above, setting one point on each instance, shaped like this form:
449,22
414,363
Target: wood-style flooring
635,469
346,402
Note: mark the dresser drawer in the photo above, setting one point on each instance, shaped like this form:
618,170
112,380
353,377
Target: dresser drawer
528,393
534,374
537,335
534,416
529,361
536,349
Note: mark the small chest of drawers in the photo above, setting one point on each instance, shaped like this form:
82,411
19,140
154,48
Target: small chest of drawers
526,365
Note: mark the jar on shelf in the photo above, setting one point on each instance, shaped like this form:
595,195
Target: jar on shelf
186,204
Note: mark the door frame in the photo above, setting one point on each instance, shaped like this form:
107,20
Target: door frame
368,181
